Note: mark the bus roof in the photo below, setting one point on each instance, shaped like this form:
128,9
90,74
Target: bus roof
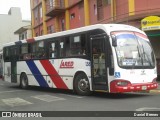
106,27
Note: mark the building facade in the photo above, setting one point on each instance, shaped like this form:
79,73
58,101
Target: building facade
24,32
9,24
49,16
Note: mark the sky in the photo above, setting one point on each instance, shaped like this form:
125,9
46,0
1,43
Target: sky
24,5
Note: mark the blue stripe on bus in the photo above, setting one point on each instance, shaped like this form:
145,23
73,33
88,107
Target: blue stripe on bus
37,74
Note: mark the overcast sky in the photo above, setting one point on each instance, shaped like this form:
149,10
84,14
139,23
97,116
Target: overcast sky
24,5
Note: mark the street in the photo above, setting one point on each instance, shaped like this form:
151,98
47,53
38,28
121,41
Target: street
12,98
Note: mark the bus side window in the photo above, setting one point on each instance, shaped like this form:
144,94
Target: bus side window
78,45
24,52
62,50
41,50
38,50
53,50
6,54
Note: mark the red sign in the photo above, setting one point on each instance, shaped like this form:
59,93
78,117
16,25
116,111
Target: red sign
67,64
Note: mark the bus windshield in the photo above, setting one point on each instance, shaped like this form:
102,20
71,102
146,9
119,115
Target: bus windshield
134,50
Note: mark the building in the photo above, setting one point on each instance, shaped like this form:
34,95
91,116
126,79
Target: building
49,16
9,24
24,32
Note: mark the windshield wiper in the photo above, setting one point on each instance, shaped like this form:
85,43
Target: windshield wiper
145,54
140,55
134,63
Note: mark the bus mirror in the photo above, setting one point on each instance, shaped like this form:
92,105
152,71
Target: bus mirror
114,41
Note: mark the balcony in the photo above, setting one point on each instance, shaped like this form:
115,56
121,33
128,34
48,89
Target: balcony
54,7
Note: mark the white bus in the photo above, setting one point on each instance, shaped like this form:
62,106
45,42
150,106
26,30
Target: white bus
114,58
1,64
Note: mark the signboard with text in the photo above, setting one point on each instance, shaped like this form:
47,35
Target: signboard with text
150,23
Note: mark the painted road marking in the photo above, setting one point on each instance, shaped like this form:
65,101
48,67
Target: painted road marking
12,102
48,98
148,109
10,91
74,96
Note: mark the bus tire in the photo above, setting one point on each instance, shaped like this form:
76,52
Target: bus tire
81,84
24,81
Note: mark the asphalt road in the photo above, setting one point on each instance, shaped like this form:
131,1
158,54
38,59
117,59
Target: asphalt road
12,98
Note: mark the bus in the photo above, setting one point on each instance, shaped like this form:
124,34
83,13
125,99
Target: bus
114,58
1,64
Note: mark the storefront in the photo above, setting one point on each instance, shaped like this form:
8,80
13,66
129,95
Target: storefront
151,26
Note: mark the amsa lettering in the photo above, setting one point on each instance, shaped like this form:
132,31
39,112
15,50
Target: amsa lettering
67,64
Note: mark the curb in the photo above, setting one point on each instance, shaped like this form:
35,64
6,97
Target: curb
155,91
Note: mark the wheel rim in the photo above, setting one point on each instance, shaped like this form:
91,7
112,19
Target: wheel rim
83,85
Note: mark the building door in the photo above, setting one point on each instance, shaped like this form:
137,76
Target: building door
99,66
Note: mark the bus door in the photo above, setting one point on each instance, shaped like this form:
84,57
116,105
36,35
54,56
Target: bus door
14,55
99,66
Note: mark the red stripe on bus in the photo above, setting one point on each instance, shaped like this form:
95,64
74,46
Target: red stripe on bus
56,79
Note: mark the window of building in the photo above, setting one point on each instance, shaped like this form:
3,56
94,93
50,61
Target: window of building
61,3
100,14
95,9
106,2
37,34
22,36
72,16
25,34
50,29
36,16
41,32
40,11
62,24
35,2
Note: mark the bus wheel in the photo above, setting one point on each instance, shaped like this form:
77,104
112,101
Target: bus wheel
81,84
24,81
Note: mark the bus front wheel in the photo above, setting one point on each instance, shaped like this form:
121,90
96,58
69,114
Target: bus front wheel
24,81
81,84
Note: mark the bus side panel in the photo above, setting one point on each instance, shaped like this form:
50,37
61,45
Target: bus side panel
7,71
53,73
51,69
22,67
42,67
69,67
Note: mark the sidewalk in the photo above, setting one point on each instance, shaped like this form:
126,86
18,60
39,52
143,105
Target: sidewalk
158,85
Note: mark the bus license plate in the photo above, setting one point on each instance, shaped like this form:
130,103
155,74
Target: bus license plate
144,87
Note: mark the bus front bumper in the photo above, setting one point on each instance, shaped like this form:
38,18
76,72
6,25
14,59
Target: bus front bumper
114,88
